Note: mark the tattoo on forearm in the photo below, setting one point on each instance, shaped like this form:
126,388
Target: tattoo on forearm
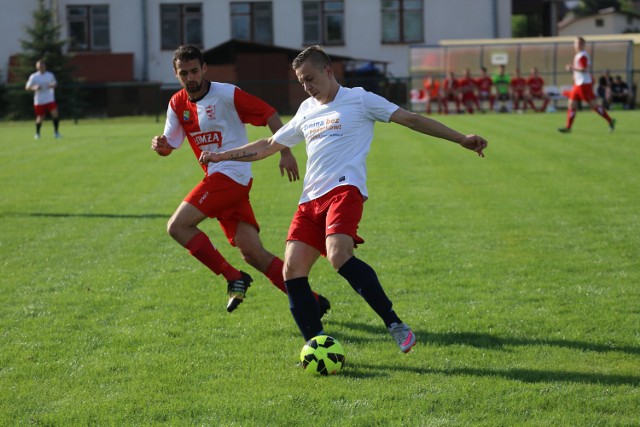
243,155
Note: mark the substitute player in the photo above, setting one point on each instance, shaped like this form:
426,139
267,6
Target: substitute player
535,88
43,84
583,87
337,124
212,117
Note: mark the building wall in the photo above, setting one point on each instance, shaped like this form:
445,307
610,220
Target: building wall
613,23
130,32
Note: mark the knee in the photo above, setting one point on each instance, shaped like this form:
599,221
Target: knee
337,258
252,257
173,227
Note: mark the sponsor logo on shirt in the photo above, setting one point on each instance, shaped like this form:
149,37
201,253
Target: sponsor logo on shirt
207,138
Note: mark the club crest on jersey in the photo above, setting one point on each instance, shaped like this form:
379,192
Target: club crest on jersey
186,115
211,112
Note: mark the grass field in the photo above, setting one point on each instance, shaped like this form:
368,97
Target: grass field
518,272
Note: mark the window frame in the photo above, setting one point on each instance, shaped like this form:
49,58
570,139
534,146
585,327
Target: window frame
324,14
181,20
253,17
88,20
404,11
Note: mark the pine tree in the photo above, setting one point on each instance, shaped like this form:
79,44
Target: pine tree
42,41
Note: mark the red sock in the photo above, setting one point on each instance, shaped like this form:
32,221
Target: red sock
571,115
274,274
202,249
603,113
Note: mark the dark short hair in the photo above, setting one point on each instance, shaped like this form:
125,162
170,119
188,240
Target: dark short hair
187,53
313,54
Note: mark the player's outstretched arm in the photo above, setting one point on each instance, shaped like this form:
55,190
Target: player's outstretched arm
251,152
427,126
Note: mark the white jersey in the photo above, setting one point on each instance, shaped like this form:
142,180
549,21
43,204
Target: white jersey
582,60
215,123
338,136
45,93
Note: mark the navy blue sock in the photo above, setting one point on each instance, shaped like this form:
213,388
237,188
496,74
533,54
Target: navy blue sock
304,307
364,281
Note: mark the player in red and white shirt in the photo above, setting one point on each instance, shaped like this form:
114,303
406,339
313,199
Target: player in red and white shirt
535,87
583,87
467,87
484,83
43,84
212,117
337,124
518,88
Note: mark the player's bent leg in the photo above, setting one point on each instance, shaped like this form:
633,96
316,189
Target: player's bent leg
182,225
253,253
298,260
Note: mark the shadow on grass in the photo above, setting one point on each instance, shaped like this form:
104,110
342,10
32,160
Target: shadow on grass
83,215
488,341
523,375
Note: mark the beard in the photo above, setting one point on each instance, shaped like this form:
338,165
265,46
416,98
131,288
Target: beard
194,87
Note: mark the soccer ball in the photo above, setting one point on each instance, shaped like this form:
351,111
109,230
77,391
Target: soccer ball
322,355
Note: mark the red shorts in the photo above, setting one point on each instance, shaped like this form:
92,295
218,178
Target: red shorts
582,93
43,109
337,212
218,196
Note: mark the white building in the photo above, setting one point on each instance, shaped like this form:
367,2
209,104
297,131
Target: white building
606,21
149,30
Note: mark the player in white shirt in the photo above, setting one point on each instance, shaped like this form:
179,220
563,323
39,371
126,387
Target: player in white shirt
43,84
337,125
212,116
583,87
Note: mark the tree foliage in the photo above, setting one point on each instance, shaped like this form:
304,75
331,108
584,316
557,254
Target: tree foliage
591,7
42,41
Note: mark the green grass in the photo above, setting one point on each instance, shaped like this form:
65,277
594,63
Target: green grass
518,272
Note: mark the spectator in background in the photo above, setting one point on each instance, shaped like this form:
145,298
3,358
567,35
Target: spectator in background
484,83
432,93
535,89
604,88
467,87
451,92
518,87
43,84
501,82
620,92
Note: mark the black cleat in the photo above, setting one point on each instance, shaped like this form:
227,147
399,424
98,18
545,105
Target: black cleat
237,290
324,305
612,125
564,130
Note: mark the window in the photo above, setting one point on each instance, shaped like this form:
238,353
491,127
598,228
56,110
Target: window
599,22
252,21
88,27
323,22
180,24
402,21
